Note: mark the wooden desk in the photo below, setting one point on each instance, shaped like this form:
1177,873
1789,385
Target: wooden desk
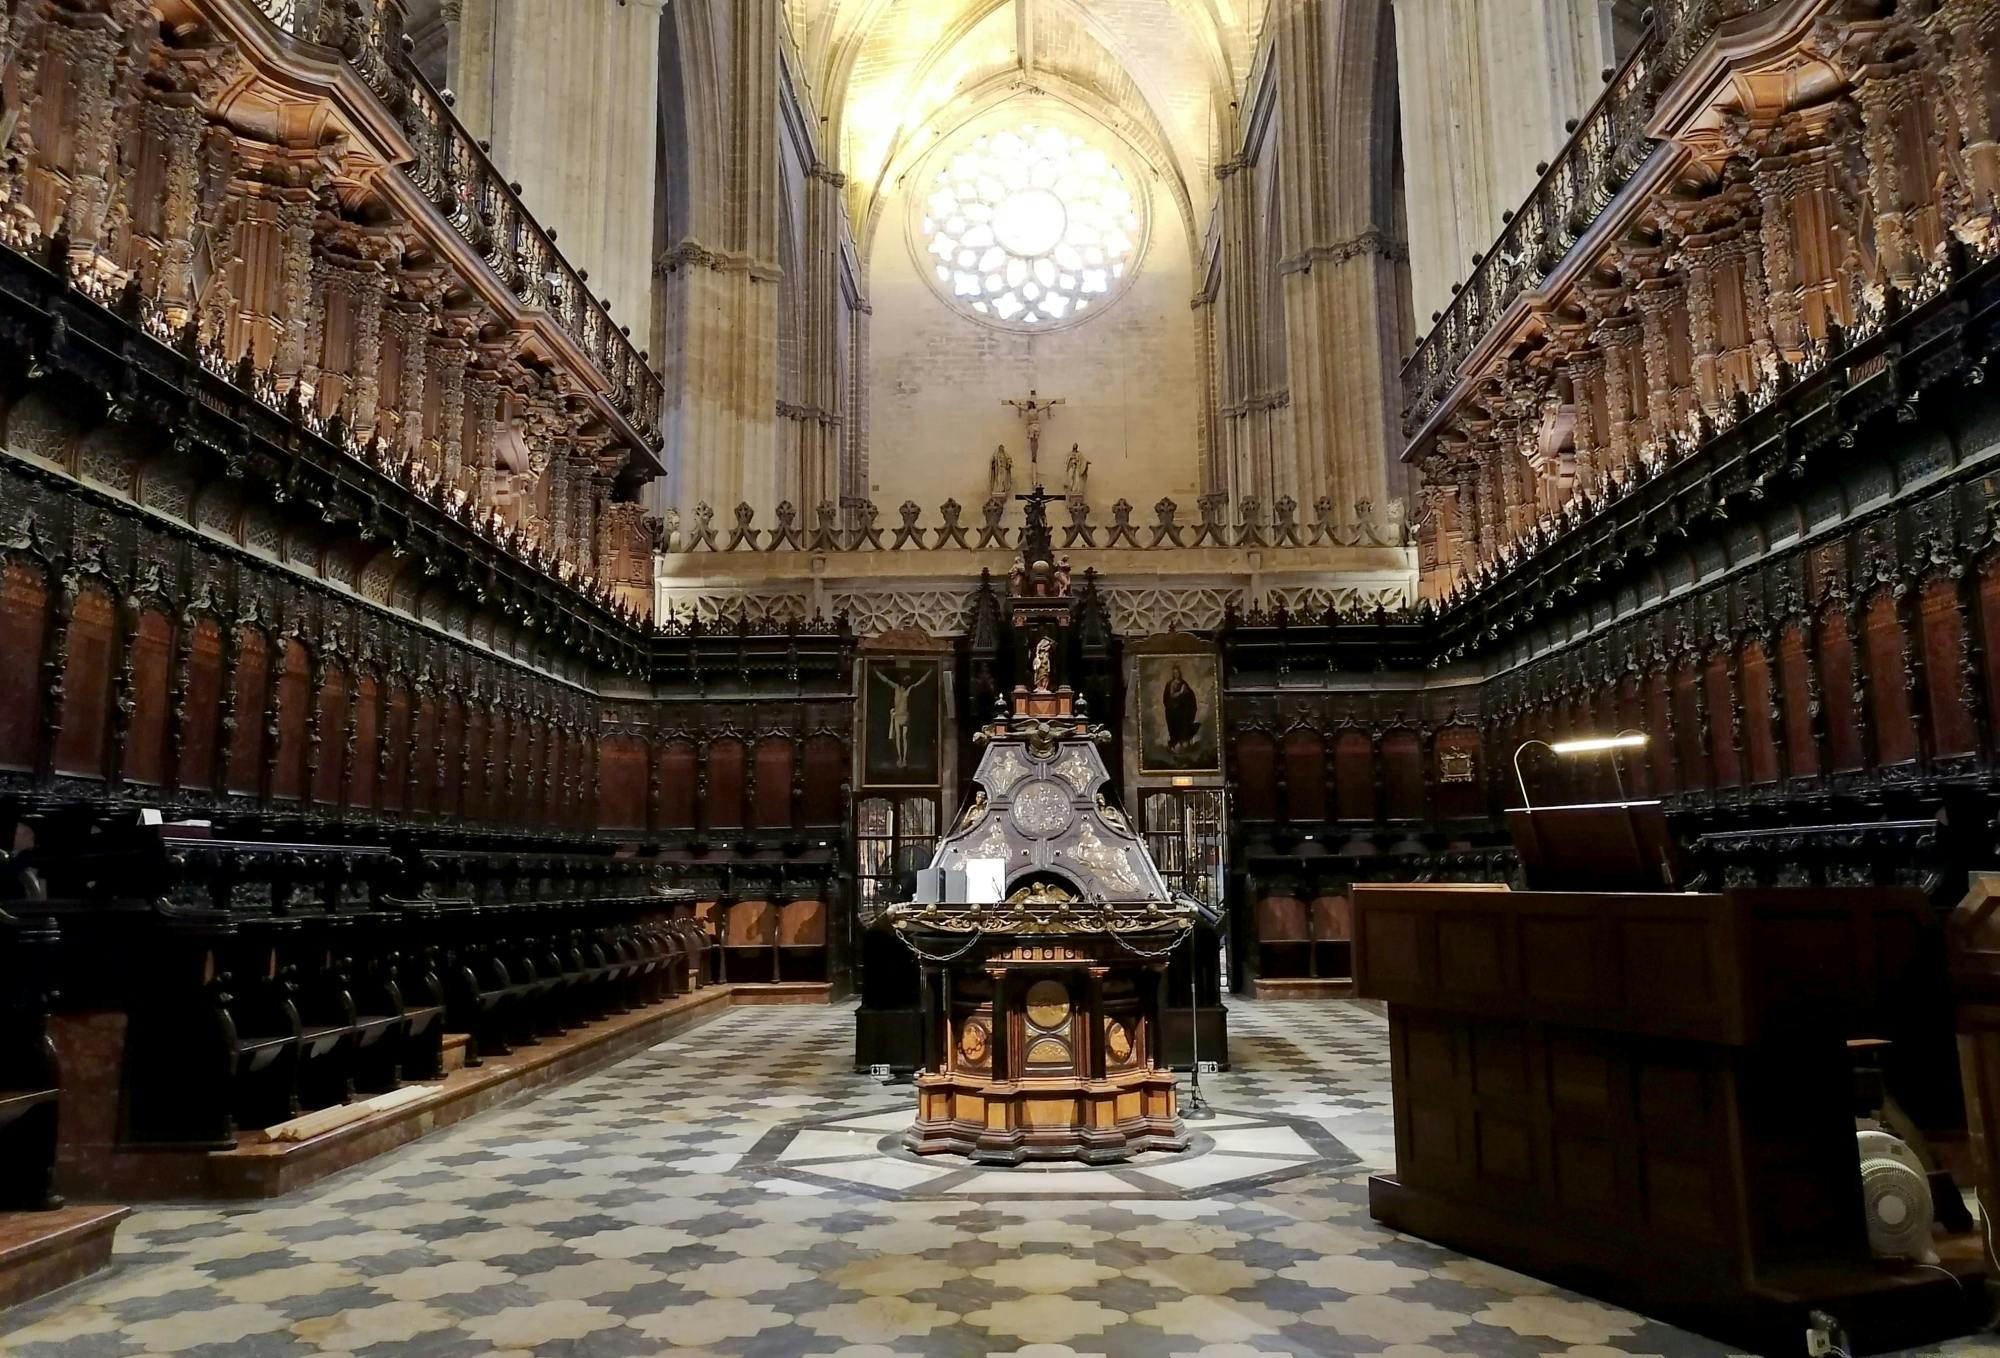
1647,1096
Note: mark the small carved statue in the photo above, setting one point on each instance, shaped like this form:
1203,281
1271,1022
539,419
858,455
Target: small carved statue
1000,476
1076,472
1044,655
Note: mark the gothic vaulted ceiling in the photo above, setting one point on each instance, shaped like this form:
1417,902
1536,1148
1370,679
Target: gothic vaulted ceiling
890,77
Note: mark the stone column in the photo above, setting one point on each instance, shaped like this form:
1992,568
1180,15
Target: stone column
1339,259
580,136
1484,87
720,275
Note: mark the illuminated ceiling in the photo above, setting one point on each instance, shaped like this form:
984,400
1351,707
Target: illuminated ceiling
890,77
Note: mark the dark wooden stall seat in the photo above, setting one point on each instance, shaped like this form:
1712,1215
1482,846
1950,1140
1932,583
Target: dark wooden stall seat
802,940
749,941
1648,1096
265,978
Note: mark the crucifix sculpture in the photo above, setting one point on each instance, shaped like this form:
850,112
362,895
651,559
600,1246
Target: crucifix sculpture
1033,411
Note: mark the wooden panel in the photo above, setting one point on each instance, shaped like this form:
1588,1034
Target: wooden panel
773,808
1687,729
1722,722
331,725
1256,774
201,723
152,699
1332,919
535,792
1836,686
1402,774
1953,731
825,771
288,771
367,741
677,785
478,755
1760,747
1282,919
1305,776
1354,775
722,809
751,924
398,742
1795,672
520,760
424,754
1458,768
246,744
1641,766
24,622
1888,677
802,924
621,783
1668,777
87,660
451,742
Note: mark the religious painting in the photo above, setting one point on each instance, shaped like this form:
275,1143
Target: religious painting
1179,714
901,713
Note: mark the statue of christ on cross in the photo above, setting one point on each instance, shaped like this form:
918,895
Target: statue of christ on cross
1032,412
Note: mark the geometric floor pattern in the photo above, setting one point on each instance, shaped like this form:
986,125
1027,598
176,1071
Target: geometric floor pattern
1226,1152
625,1214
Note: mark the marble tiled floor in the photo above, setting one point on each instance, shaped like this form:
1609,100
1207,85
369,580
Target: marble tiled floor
644,1211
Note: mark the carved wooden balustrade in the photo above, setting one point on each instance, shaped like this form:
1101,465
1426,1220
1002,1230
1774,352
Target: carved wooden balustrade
1766,188
272,186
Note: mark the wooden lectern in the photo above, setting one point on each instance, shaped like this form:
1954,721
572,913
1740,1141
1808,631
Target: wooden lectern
1647,1096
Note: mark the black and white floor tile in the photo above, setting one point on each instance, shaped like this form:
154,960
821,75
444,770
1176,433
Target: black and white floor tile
735,1191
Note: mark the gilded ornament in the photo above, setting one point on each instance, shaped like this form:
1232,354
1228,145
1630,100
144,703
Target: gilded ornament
1043,809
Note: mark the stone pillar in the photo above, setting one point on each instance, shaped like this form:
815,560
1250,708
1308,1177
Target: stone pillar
1485,87
1338,261
720,276
579,136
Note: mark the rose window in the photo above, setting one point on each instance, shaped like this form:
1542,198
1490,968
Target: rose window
1031,229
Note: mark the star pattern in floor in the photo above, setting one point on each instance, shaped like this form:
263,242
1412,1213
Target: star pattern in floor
630,1213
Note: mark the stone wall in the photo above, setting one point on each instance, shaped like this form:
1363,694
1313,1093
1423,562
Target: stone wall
1129,376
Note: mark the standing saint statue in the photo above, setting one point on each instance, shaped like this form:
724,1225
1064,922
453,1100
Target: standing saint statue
1075,474
1000,475
1044,657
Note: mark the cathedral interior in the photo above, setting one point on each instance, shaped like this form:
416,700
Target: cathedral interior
1175,678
